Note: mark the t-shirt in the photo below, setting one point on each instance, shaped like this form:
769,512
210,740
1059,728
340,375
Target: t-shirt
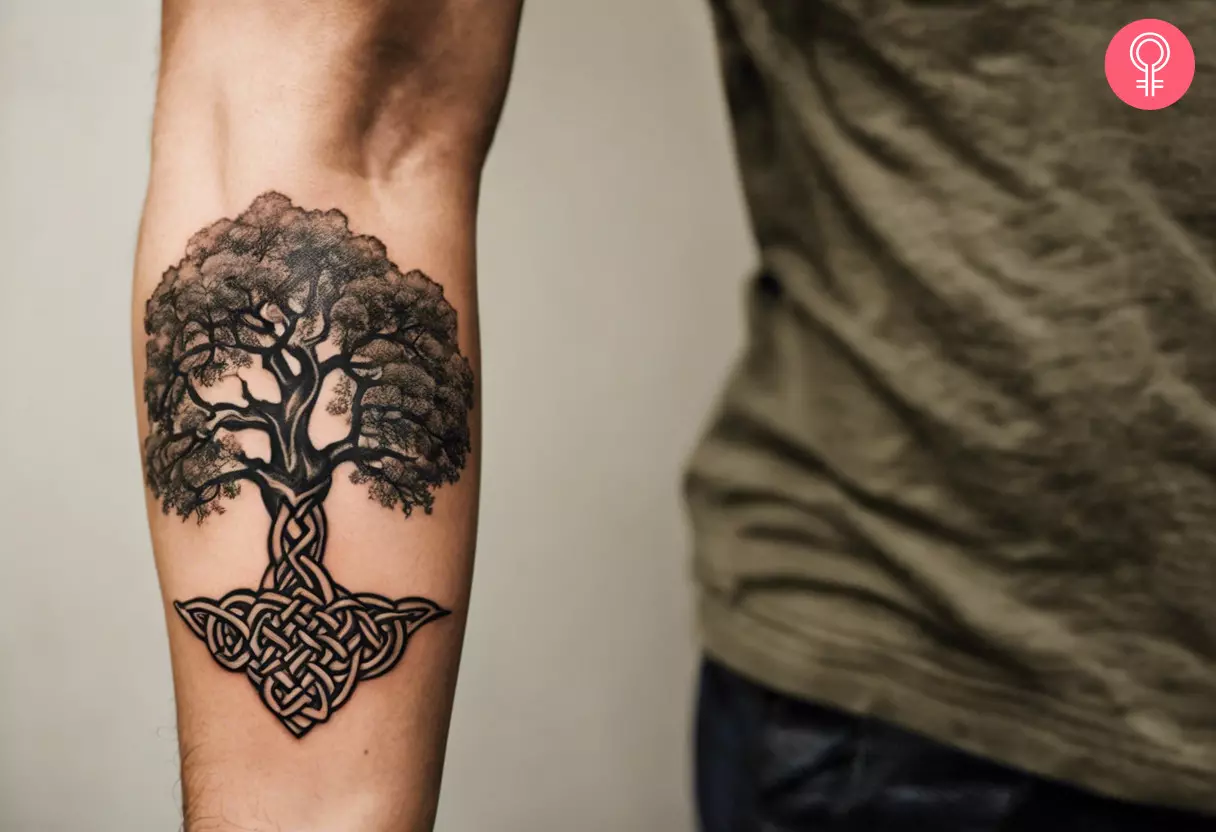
963,478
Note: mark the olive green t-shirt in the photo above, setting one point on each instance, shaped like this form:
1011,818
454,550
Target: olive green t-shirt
964,476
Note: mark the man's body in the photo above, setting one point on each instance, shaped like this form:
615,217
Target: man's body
963,481
340,136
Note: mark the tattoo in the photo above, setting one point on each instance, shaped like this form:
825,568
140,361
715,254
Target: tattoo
266,318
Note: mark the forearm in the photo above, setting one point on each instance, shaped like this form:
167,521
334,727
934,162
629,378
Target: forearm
311,361
375,764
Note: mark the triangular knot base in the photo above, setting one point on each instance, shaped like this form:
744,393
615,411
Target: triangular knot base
304,641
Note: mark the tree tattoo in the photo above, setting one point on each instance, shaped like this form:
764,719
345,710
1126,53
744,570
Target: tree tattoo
268,317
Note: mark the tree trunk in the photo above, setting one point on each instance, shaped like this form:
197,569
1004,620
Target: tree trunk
297,541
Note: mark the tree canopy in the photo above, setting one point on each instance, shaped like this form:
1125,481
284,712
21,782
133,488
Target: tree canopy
324,311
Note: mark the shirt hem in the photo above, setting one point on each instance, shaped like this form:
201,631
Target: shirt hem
1027,731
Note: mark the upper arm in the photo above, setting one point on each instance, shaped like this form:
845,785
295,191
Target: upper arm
359,85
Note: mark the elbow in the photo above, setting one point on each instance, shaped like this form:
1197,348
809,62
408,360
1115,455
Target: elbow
381,92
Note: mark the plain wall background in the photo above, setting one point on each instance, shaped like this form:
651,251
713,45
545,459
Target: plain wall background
612,243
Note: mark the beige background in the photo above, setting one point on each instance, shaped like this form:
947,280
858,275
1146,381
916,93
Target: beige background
612,244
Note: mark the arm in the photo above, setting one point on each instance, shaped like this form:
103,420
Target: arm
306,364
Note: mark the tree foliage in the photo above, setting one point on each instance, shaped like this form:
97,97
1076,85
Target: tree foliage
327,315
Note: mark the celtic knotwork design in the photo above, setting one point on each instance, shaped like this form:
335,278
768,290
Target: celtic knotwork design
303,640
272,322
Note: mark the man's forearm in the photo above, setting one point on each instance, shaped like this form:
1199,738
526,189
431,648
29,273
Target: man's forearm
306,361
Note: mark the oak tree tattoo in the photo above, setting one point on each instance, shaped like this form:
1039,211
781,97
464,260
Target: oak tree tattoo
268,318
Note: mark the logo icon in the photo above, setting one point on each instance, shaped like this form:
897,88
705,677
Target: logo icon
1150,83
1150,64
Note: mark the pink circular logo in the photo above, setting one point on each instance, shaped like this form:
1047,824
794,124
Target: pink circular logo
1150,64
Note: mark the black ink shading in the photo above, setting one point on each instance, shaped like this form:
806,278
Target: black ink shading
291,304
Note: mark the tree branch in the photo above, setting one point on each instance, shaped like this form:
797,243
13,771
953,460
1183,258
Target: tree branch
163,451
256,405
403,416
348,363
222,409
394,337
321,336
233,417
223,479
234,422
208,347
256,322
347,451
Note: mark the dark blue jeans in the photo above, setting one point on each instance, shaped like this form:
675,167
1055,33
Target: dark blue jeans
769,763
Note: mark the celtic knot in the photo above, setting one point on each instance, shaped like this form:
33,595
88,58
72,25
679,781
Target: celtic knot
303,640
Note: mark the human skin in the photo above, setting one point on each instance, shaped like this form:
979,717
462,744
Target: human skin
379,113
